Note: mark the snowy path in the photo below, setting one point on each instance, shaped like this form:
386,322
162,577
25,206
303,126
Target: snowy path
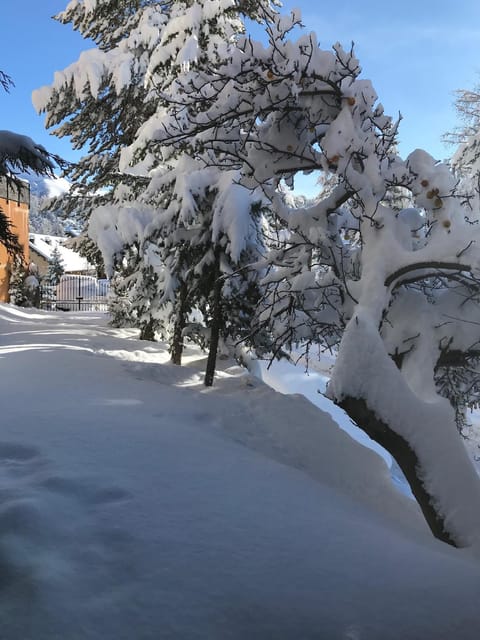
134,505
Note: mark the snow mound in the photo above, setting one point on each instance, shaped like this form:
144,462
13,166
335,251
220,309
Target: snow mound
135,503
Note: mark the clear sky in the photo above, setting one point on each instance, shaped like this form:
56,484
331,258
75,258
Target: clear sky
416,52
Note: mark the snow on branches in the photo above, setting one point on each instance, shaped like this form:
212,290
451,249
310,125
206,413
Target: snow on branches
197,130
19,153
353,267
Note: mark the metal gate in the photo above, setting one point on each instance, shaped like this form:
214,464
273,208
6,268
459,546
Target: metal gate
75,293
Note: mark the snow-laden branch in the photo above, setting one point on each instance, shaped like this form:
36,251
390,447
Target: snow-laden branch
422,266
19,153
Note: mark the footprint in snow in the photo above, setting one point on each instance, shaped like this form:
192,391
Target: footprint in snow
84,490
13,452
57,534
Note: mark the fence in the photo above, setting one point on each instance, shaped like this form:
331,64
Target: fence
75,293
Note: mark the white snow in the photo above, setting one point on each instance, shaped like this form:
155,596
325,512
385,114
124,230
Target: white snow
71,260
373,376
135,504
271,112
17,150
51,187
311,381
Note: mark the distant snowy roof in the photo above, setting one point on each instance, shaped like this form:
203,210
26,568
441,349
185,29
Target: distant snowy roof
72,261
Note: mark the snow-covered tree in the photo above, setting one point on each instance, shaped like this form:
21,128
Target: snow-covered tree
87,248
395,291
460,382
466,137
99,102
467,105
8,237
176,263
32,285
209,234
56,268
19,153
24,286
17,290
205,244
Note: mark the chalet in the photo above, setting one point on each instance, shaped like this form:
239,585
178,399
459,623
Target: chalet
41,247
15,204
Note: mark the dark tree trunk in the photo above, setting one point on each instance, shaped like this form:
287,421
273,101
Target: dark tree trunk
407,460
176,349
147,332
216,323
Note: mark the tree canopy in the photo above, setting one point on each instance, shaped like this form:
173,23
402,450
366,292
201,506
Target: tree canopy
19,153
196,130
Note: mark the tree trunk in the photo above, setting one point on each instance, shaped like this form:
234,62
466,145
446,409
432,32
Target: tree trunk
176,349
358,410
216,323
401,410
147,332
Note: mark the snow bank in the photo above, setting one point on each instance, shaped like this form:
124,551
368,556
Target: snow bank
138,504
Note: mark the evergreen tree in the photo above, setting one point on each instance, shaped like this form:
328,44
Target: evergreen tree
56,268
351,271
124,82
24,288
19,153
207,242
198,237
17,289
8,237
110,82
100,101
86,247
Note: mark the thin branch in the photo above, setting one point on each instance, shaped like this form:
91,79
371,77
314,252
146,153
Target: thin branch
448,266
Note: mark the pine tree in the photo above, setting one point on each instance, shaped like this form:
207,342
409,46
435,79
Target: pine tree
56,268
19,153
124,82
17,290
24,287
197,234
108,81
100,101
207,242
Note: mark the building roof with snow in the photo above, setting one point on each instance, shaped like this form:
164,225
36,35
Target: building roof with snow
43,246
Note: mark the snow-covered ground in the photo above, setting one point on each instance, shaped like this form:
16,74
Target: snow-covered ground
137,505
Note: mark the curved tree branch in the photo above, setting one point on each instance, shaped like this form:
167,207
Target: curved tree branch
417,266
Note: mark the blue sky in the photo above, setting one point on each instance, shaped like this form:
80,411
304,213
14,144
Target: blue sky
415,52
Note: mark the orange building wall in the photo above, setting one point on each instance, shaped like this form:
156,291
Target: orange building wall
18,214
